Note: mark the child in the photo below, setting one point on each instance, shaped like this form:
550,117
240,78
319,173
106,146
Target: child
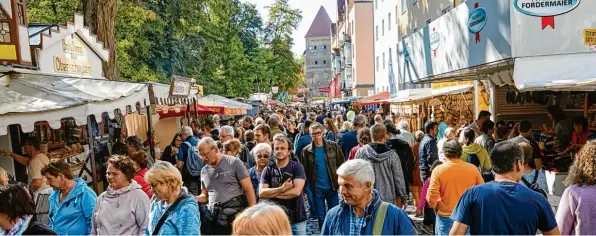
429,215
546,136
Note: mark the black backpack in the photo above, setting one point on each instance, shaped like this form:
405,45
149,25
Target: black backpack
534,184
474,160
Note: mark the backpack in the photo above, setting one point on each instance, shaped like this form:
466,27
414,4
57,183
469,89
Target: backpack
534,184
193,161
474,160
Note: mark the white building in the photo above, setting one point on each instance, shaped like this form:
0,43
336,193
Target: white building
386,41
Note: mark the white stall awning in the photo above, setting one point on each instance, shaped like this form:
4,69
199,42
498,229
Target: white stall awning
432,93
569,72
29,98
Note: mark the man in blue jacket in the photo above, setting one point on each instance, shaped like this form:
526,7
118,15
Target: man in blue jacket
71,203
428,151
361,212
350,139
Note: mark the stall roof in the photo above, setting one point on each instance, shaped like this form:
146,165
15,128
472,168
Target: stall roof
569,72
347,100
216,100
374,99
433,93
29,98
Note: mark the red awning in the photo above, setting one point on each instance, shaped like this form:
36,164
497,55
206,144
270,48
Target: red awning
374,99
180,111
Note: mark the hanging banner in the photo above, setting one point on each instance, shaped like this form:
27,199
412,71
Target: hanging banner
545,9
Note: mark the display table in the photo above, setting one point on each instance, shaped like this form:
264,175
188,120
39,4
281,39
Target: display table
554,181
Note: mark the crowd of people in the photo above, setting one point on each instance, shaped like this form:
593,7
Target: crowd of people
357,173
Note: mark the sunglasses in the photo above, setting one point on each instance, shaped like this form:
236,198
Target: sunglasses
263,156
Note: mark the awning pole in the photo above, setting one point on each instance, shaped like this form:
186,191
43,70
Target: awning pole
150,131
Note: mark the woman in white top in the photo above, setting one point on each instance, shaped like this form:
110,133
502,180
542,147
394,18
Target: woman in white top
449,133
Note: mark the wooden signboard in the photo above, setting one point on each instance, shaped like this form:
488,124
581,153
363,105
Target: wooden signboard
180,87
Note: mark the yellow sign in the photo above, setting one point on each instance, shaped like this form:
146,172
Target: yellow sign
590,36
450,84
8,52
73,46
66,65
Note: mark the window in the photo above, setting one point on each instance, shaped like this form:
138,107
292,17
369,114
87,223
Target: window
389,22
324,46
5,32
21,12
352,28
316,62
396,15
377,32
428,21
446,9
383,60
376,4
382,27
377,63
389,59
315,47
325,62
396,52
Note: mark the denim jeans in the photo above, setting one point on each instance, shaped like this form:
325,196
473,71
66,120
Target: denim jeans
443,225
321,196
310,199
299,228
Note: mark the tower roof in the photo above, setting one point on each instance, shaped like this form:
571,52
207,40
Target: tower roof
321,25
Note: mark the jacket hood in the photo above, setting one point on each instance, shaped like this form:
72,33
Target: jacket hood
369,153
192,140
112,193
473,148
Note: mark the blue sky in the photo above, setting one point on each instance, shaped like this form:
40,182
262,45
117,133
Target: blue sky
309,10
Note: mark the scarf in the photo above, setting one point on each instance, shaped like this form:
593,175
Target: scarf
19,227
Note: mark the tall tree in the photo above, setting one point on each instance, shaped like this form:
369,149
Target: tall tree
52,11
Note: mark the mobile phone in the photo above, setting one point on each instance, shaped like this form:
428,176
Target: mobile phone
285,177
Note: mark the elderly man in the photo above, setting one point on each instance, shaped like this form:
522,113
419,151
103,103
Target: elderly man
448,182
226,133
321,159
189,145
512,208
387,166
361,209
403,127
285,190
226,187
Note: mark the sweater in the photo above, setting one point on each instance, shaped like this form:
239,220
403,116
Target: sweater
389,176
121,212
576,214
448,183
480,152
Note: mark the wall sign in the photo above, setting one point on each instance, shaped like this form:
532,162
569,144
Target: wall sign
547,9
435,41
73,46
70,66
590,36
180,86
477,21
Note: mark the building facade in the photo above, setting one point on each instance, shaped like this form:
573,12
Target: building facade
317,54
360,18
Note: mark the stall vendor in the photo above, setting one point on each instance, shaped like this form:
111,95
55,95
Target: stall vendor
38,160
562,131
580,136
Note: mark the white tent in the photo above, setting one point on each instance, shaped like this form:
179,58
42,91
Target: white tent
29,98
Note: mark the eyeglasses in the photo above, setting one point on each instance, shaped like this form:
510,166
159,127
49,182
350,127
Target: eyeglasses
316,133
262,156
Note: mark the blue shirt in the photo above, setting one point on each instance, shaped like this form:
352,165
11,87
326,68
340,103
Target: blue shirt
323,182
348,141
255,177
442,127
504,208
357,223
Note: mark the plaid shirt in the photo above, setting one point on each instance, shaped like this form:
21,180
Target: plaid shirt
358,223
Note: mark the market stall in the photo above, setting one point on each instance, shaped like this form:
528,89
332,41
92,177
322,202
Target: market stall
67,115
231,107
371,102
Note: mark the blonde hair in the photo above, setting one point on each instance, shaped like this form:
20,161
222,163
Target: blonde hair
262,219
528,151
347,126
164,172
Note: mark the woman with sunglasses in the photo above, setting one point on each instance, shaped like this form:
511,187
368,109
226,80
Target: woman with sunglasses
261,153
72,201
123,208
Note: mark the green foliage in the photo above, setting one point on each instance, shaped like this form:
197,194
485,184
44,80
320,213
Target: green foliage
52,11
223,44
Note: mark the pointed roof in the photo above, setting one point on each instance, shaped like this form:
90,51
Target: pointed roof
321,25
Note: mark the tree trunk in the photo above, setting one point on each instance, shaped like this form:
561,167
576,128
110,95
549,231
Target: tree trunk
90,14
106,19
